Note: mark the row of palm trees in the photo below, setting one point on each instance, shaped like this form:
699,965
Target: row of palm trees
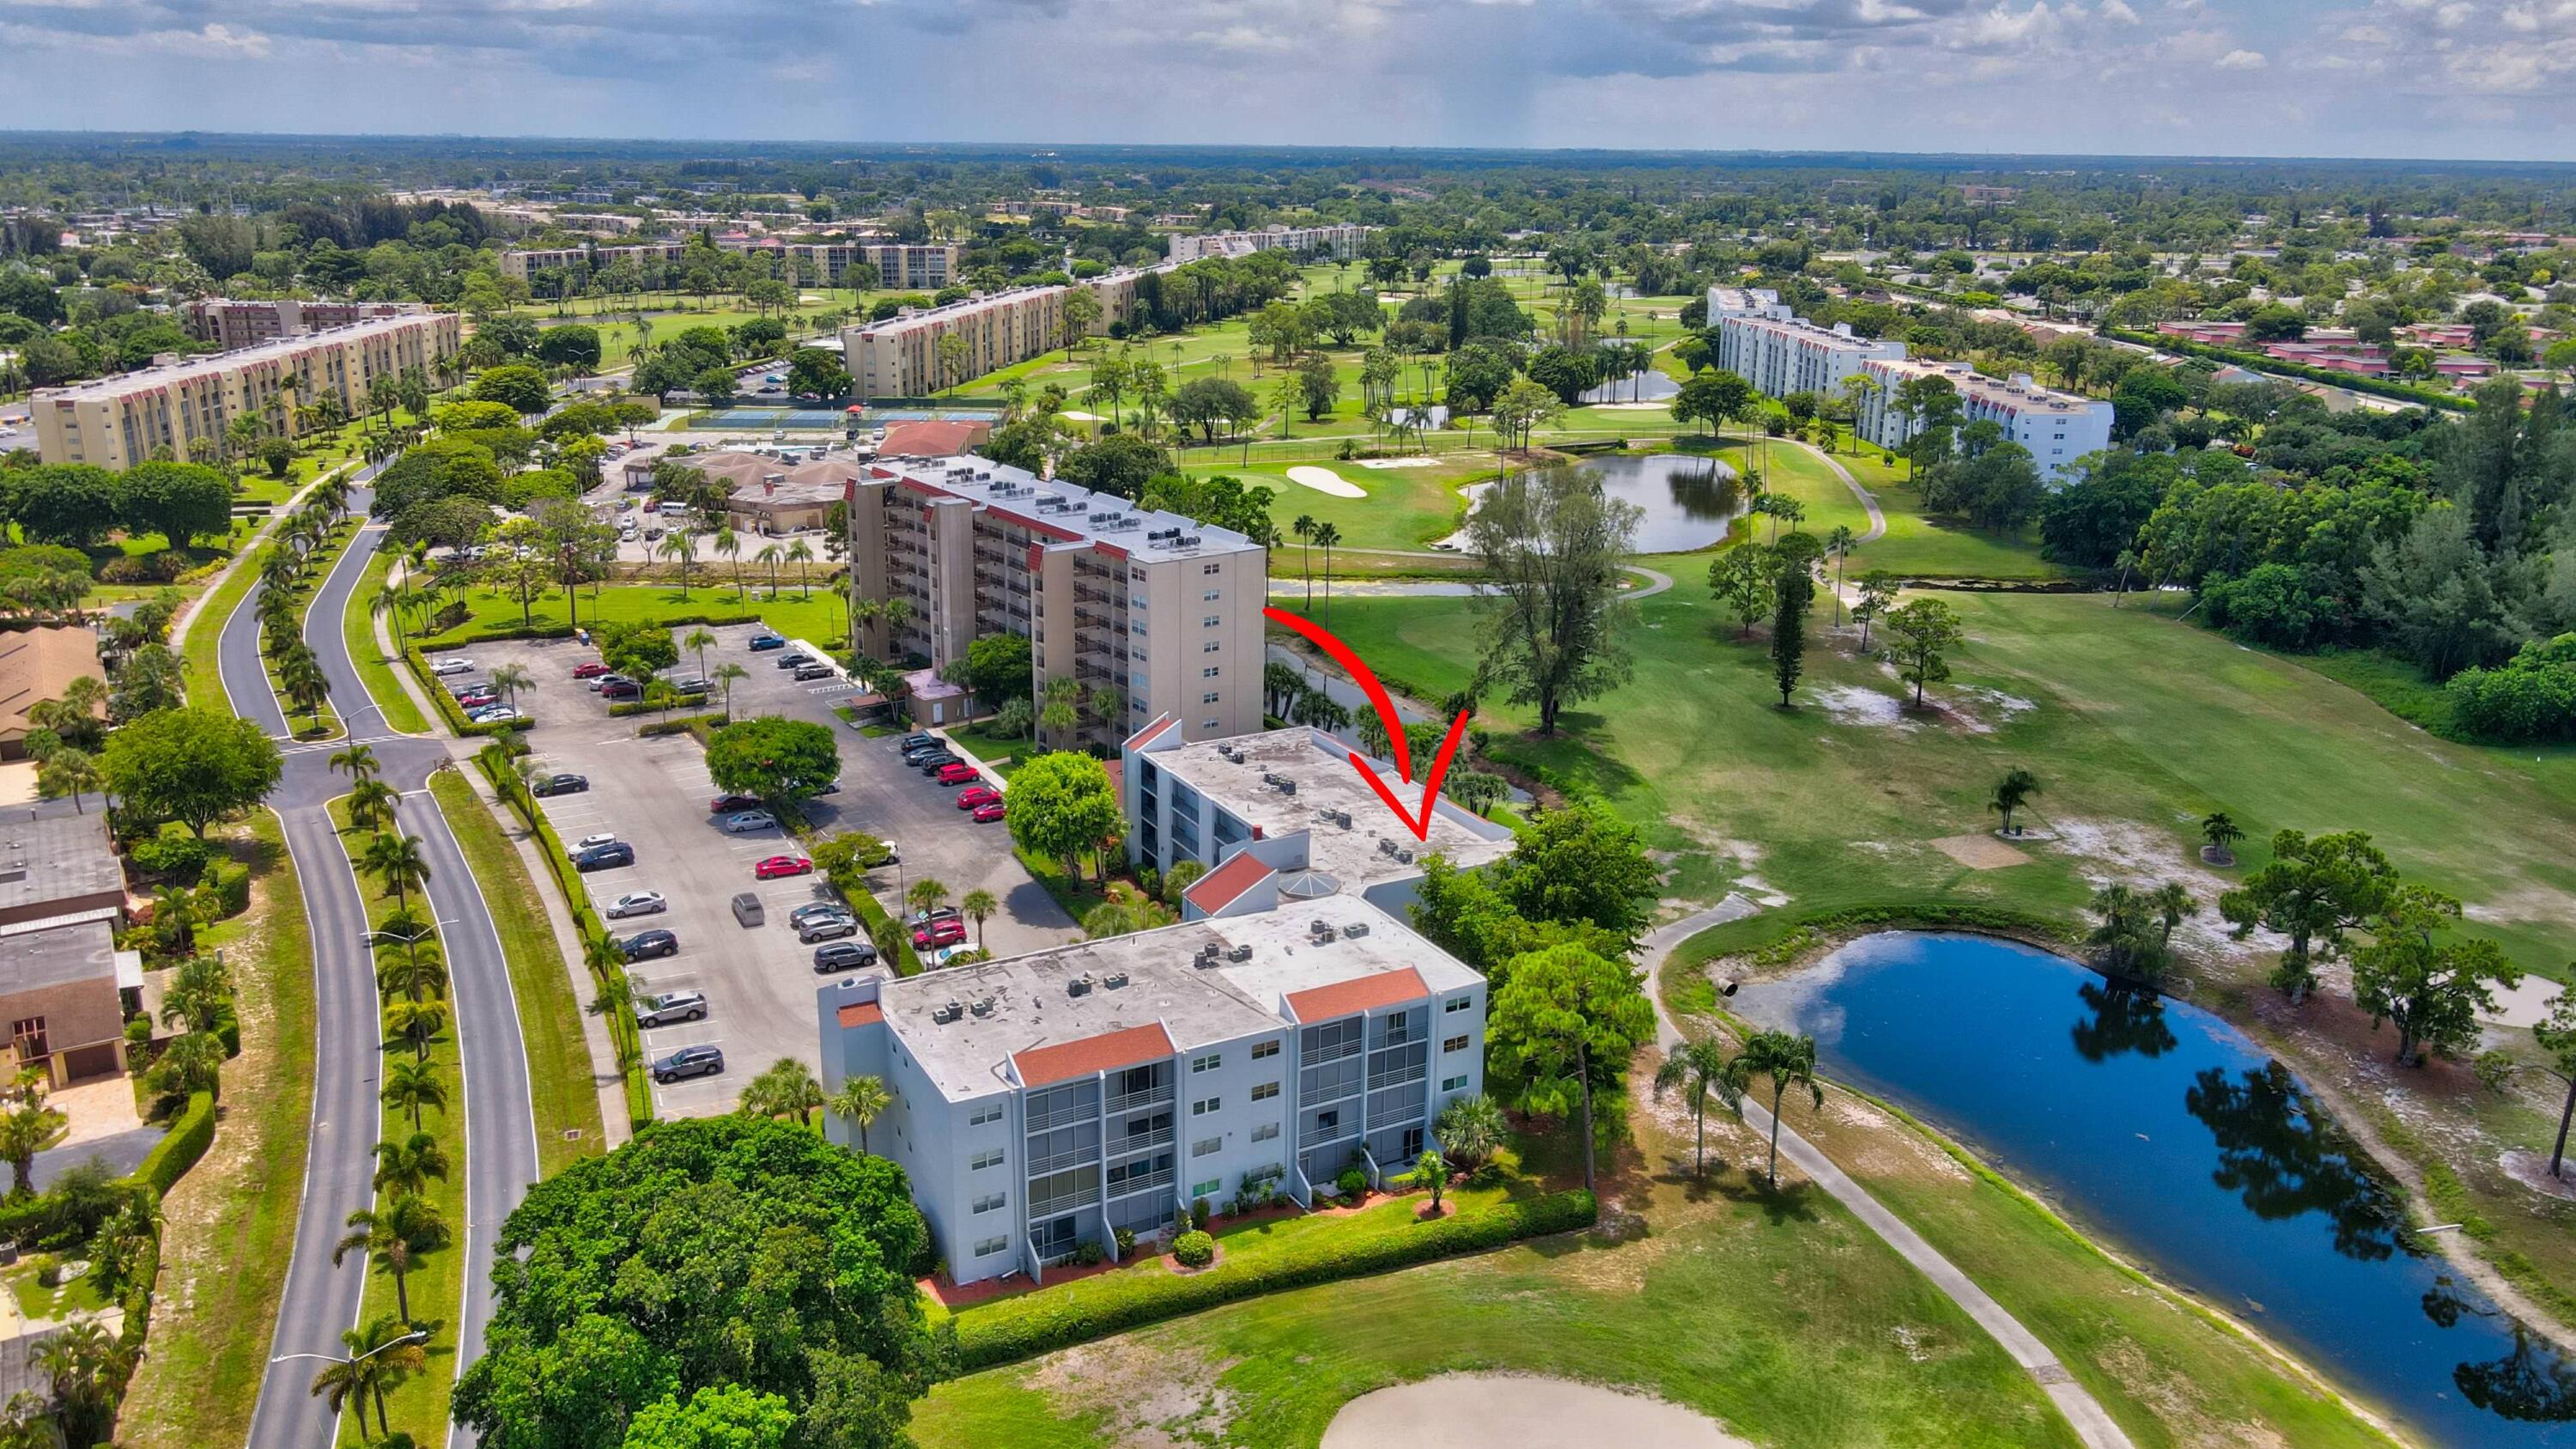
1704,1071
286,573
787,1088
403,1224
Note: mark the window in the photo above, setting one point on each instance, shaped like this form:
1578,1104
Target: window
1461,1003
1208,569
1205,1189
28,1036
992,1113
990,1202
1267,1091
982,1160
1207,1147
1208,698
1205,1105
1328,1121
1263,1051
1211,596
1453,1084
1265,1131
1211,621
1209,724
1209,672
1211,646
989,1246
1206,1062
1454,1044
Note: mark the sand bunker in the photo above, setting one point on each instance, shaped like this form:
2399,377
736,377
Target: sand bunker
1979,852
1325,480
1397,462
1462,1411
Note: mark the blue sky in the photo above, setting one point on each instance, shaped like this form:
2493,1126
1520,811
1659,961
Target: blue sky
2417,78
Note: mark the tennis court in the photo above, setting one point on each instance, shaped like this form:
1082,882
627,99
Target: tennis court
830,419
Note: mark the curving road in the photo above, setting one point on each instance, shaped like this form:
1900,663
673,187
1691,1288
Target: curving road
320,1300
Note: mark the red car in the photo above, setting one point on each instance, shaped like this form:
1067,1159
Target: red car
592,670
978,795
988,813
782,865
956,774
947,931
728,804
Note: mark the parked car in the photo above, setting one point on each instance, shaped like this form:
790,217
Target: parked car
944,932
806,672
647,944
934,762
690,1061
727,804
491,714
599,682
478,698
621,689
453,664
559,785
778,867
814,910
635,903
764,641
603,857
671,1006
987,814
587,842
591,670
830,788
825,928
915,741
794,659
915,754
691,684
744,822
956,772
844,955
968,799
943,913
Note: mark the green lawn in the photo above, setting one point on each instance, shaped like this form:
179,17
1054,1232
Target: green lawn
617,336
1004,752
560,1078
375,668
1406,508
230,1224
820,617
1920,546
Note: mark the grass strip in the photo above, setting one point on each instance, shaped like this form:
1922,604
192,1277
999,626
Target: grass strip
375,670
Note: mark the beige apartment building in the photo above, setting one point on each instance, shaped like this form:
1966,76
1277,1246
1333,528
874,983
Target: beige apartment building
899,357
1164,610
232,323
1342,240
526,264
117,422
900,266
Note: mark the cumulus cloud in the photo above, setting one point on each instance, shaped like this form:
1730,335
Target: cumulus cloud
2242,59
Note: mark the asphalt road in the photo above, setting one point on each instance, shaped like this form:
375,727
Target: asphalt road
320,1300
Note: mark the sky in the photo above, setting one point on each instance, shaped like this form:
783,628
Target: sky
2465,79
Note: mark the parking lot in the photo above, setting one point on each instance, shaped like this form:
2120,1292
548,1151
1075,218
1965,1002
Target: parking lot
653,794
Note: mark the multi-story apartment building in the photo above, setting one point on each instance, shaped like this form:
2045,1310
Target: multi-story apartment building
2056,427
1281,816
899,357
116,422
1162,609
1341,240
1045,1101
232,323
525,264
1759,341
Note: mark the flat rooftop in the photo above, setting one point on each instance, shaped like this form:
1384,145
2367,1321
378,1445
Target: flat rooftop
1027,1005
2022,392
218,364
1231,773
1144,533
52,852
59,957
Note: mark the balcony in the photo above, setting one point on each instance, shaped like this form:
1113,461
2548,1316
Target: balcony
1158,1096
1146,1183
1062,1117
1063,1202
1140,1142
1380,1081
1077,1157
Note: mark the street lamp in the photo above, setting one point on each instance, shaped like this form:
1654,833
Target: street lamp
417,1335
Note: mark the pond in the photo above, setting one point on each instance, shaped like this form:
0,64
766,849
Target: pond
1647,386
1687,501
2174,1137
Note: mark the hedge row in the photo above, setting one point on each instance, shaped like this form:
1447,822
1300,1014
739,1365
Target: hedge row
231,880
445,702
2258,362
684,724
180,1147
1041,1322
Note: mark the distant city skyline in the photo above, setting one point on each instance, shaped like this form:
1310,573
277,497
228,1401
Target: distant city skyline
2405,79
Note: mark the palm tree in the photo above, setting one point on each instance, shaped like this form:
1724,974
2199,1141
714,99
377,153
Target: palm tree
510,679
1839,542
381,1356
979,907
412,972
1700,1070
724,677
357,761
862,1100
787,1086
307,688
700,641
192,1064
927,894
200,992
1327,535
730,545
412,1085
405,1169
417,1022
25,1131
799,553
2173,904
398,862
769,556
86,1367
2220,834
681,545
1789,1061
371,804
395,1235
69,771
1472,1129
2011,793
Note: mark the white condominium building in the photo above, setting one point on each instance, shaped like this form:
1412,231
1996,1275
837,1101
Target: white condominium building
232,323
899,357
2057,428
525,265
1341,240
1159,608
1780,354
117,422
1045,1101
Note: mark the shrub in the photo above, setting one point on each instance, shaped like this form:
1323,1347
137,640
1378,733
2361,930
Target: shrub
1033,1323
1090,1254
1199,1213
179,1148
181,855
1352,1184
231,880
1194,1249
1126,1240
2529,699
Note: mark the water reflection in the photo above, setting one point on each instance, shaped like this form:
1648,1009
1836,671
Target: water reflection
1687,501
2533,1383
2124,1019
2281,1159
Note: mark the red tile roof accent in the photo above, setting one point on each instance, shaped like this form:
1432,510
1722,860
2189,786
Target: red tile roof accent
862,1013
1141,738
1064,1061
1362,993
1222,886
932,439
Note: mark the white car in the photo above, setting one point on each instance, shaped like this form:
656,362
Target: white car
743,822
635,903
453,664
587,842
492,714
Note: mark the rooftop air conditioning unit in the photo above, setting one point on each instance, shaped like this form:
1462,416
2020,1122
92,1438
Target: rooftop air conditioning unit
1404,856
1385,846
1355,929
1322,930
1190,542
1238,953
984,1007
1114,980
947,1012
1287,787
1206,956
1079,985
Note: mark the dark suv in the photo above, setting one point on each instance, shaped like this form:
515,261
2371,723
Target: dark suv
603,857
646,944
690,1061
844,956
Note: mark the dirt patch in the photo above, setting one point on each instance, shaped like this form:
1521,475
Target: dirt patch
1891,1149
2177,1402
2531,1169
2132,854
1851,704
1983,711
1460,1411
1165,1394
1979,852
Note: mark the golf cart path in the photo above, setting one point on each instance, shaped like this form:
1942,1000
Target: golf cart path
2091,1422
1868,500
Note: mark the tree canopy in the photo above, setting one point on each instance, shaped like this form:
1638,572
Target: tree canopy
194,766
780,760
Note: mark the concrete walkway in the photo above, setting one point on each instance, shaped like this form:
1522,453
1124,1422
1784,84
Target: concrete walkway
1868,500
2092,1423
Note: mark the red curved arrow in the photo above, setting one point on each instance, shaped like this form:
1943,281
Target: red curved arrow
1401,747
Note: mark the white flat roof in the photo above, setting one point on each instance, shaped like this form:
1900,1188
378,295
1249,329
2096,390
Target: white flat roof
1372,848
1092,517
